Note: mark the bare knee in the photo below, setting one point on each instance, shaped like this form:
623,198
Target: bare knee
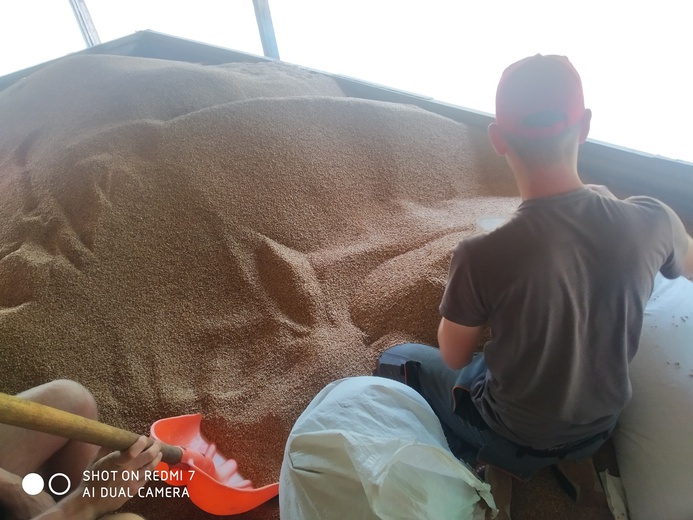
64,394
77,398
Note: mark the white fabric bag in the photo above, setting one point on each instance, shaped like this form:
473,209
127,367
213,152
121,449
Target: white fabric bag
654,436
372,448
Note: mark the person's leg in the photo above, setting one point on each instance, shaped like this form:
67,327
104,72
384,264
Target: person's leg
501,488
435,380
580,481
123,516
24,451
463,426
468,435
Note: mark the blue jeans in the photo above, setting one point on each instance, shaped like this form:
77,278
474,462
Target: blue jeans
468,435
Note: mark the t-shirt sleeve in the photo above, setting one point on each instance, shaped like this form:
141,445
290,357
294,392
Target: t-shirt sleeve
672,235
462,301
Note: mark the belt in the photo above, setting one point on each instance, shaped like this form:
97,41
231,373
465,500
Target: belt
562,450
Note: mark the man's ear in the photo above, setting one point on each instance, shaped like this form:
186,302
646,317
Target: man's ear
497,139
585,125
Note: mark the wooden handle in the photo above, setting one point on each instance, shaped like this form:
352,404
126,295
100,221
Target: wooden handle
20,412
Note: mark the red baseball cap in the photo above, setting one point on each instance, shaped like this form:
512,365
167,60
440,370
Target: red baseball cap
539,96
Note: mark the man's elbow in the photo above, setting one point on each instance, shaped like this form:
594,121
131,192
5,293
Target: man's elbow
454,358
457,343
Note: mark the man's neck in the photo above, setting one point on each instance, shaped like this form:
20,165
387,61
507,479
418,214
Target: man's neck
545,183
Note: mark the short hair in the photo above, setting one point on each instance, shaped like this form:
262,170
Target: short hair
533,150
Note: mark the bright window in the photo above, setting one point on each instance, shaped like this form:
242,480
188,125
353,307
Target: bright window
224,23
36,31
634,58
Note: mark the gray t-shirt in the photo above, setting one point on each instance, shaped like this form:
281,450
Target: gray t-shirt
563,285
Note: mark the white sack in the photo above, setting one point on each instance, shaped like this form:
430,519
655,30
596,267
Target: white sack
654,437
372,448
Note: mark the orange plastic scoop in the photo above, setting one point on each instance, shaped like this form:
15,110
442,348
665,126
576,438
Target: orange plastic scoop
216,486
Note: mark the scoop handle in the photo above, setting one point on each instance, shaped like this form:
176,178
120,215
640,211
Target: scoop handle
23,413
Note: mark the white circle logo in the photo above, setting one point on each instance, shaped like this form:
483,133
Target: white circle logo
32,484
64,491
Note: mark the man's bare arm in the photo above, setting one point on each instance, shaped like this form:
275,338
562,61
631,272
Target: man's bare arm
457,343
688,260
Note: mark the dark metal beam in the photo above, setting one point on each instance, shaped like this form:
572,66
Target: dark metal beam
86,25
264,24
